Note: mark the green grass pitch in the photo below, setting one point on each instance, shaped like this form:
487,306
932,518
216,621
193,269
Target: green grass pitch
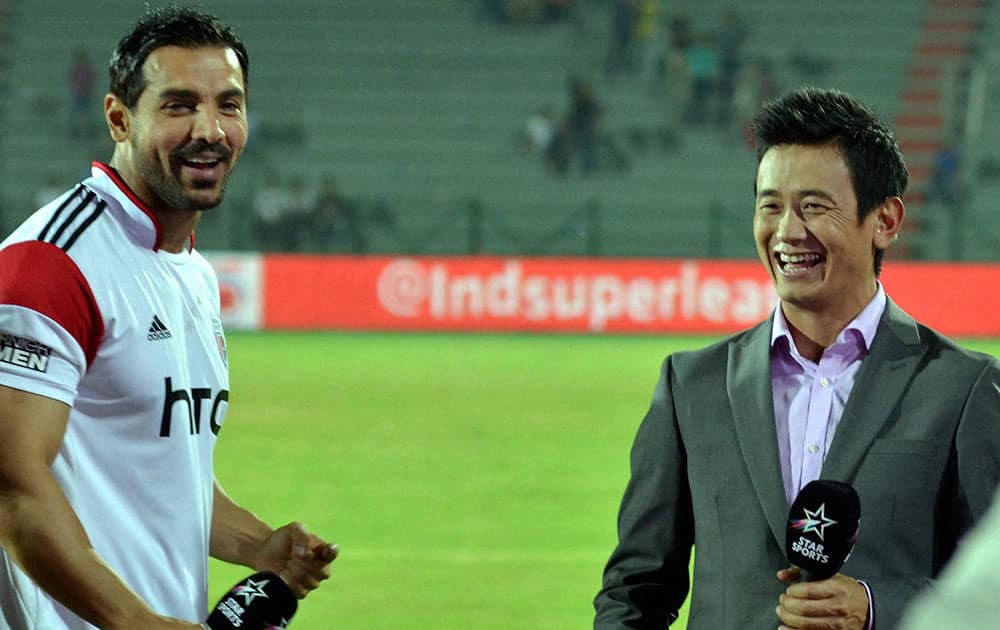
472,481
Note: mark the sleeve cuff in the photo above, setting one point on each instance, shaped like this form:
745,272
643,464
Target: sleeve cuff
871,606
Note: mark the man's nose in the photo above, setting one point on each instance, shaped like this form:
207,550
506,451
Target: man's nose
208,126
791,226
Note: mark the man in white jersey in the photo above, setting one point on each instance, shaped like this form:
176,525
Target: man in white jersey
113,368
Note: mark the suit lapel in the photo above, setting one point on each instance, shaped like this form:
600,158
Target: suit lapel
748,381
895,354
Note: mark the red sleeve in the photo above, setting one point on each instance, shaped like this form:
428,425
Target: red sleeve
41,277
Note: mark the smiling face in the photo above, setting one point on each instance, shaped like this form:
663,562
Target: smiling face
808,237
178,144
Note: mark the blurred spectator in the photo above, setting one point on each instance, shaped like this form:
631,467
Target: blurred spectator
556,10
539,130
335,220
557,156
545,135
382,217
732,38
621,49
680,36
679,40
496,11
649,39
270,201
754,86
582,120
80,78
946,183
297,216
524,11
703,72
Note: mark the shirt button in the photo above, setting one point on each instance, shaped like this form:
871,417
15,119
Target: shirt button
813,448
824,382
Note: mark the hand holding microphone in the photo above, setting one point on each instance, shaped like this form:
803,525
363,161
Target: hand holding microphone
260,602
299,557
823,524
292,562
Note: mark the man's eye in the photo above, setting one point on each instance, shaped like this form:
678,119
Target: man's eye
176,107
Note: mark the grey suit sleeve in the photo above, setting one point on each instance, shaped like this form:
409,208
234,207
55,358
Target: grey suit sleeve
646,578
978,446
977,468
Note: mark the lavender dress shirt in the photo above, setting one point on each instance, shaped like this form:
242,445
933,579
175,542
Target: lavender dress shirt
809,397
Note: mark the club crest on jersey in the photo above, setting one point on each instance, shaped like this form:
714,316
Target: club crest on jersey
25,353
220,340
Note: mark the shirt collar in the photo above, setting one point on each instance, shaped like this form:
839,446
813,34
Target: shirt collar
142,223
865,324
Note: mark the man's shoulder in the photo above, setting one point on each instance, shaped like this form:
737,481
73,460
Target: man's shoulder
722,346
68,247
942,353
947,350
64,221
715,356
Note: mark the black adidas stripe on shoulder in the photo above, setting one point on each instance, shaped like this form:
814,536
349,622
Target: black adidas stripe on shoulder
82,202
55,215
101,205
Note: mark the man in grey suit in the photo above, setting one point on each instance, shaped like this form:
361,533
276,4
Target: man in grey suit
838,384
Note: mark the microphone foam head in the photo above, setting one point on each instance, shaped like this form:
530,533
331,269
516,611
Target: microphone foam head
259,602
823,524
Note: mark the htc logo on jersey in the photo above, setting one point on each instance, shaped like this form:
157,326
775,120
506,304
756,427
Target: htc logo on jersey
194,403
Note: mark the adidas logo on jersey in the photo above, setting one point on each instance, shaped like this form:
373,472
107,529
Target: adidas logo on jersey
158,330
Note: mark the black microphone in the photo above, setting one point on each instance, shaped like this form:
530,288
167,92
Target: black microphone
260,602
823,524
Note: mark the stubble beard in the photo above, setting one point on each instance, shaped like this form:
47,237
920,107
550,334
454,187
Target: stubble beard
166,187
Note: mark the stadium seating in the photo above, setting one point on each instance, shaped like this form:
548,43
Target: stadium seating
415,105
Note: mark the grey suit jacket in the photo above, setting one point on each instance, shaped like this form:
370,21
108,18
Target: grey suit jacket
919,440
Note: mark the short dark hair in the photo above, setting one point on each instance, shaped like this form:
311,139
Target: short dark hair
814,116
169,26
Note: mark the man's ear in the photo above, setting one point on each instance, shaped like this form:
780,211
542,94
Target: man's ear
889,217
118,117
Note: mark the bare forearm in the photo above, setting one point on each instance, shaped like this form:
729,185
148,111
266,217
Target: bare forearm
41,532
44,537
237,533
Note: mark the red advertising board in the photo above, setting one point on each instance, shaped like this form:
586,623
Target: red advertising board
590,295
960,300
525,294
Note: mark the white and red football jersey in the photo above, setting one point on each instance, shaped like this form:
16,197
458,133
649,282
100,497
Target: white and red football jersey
94,314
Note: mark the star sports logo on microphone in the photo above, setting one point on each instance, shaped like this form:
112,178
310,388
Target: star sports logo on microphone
815,522
232,609
250,591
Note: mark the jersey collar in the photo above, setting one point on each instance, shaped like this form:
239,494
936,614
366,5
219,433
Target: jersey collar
143,223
